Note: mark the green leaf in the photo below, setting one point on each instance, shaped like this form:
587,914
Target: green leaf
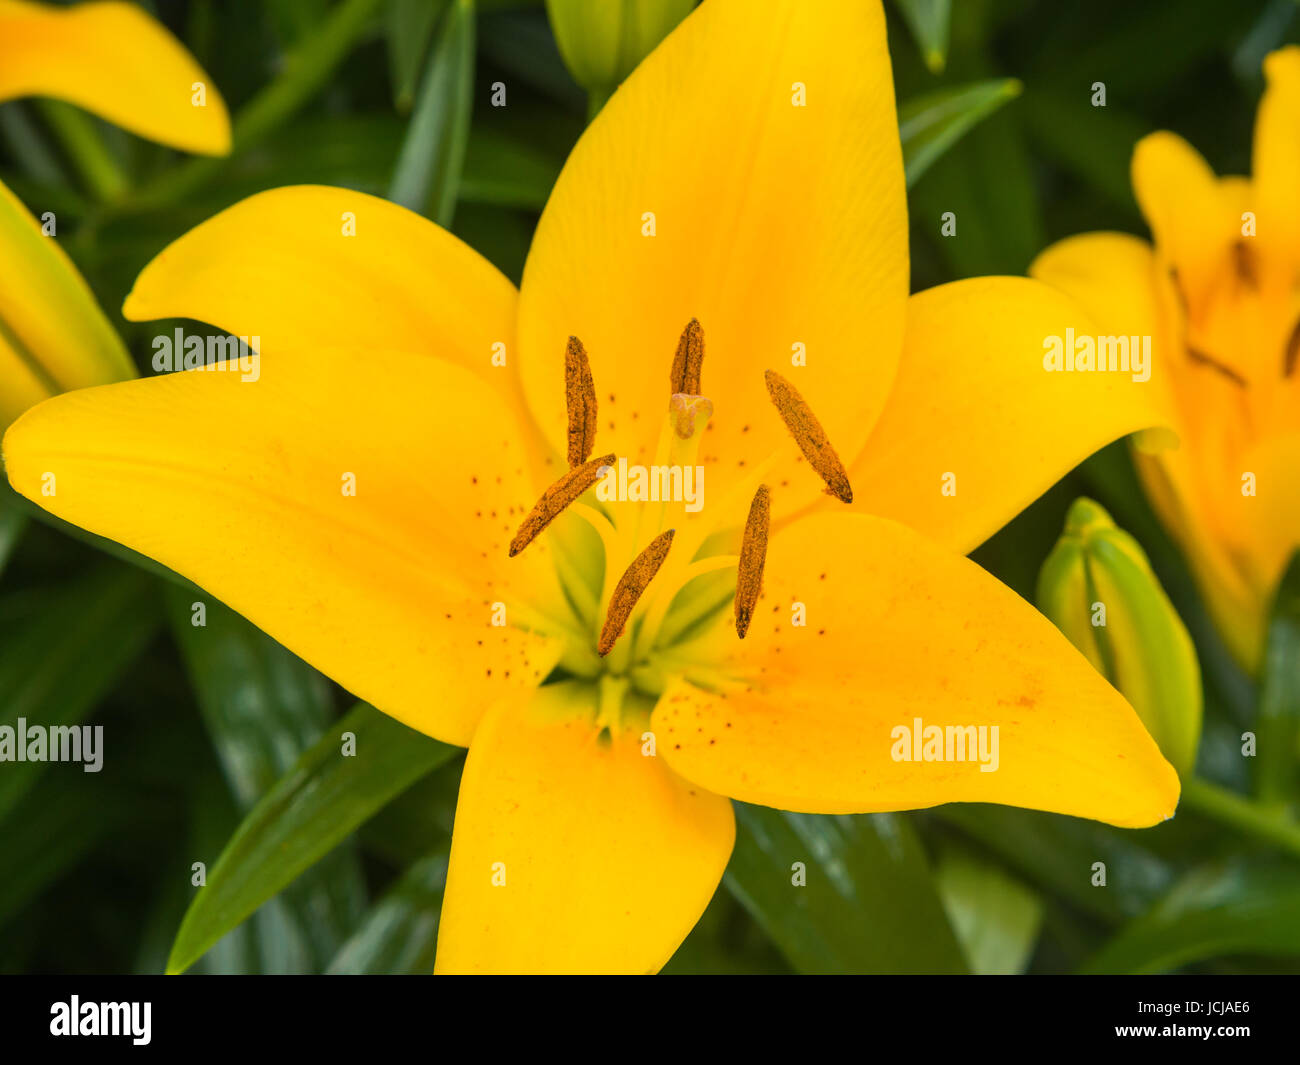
987,183
275,939
410,28
63,649
299,930
428,172
1191,33
522,44
500,235
502,168
81,137
51,830
293,20
1278,728
928,21
503,171
931,124
1238,907
402,832
29,149
868,906
400,934
12,523
726,940
262,705
1095,142
310,810
305,71
1057,853
996,917
1268,32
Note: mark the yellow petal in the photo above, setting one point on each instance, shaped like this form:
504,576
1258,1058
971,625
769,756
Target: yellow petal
573,853
782,228
117,61
1275,163
312,265
976,428
243,486
1115,278
22,382
1117,281
900,631
1262,529
1112,276
1189,216
53,336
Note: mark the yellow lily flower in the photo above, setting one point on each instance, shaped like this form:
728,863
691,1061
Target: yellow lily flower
367,500
114,60
1217,293
117,61
53,335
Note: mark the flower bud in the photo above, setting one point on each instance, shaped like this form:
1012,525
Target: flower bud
53,336
1100,590
602,41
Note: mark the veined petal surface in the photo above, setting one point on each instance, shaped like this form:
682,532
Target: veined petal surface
977,427
53,335
902,640
574,852
748,174
355,506
114,60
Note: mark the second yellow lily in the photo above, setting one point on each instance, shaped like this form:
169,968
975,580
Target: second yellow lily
1218,293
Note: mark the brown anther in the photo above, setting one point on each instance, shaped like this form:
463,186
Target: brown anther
1214,364
1292,355
809,435
629,589
688,362
556,498
580,399
1176,280
1243,260
753,553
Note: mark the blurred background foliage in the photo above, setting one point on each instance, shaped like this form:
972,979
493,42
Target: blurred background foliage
222,747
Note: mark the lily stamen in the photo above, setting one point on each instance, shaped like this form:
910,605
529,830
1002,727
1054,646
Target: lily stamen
629,589
1202,359
1292,354
556,498
688,362
809,435
1243,261
580,400
753,553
